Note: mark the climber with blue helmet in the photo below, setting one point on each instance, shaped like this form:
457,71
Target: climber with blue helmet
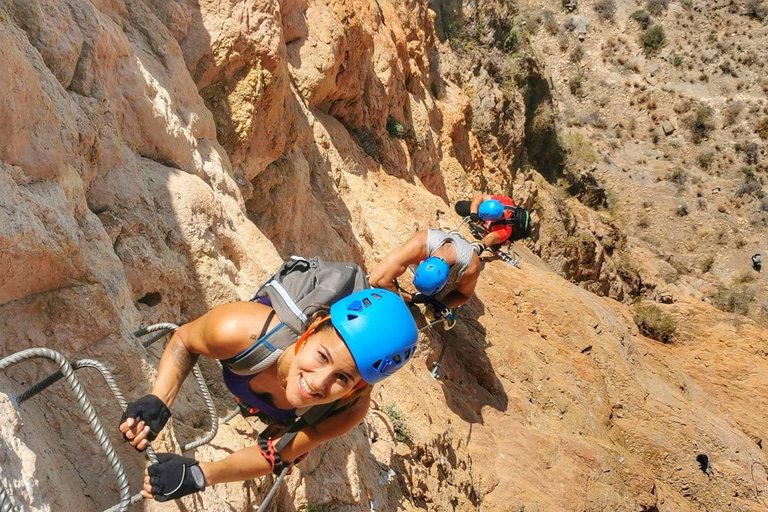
499,218
441,259
345,349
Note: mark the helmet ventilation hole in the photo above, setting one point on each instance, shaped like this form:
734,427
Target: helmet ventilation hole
396,359
407,354
366,303
376,364
376,296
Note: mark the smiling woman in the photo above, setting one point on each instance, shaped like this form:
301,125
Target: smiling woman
358,341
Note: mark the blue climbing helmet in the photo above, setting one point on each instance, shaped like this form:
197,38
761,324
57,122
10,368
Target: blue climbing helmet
431,275
490,210
378,330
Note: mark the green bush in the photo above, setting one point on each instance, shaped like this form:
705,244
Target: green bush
642,17
512,41
762,128
652,39
733,300
395,128
701,123
313,508
654,323
402,432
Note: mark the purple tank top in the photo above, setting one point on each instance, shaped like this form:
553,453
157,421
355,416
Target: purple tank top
238,386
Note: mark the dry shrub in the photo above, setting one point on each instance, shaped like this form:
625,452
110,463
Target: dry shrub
656,7
733,300
762,128
606,9
701,123
550,23
731,113
705,159
654,323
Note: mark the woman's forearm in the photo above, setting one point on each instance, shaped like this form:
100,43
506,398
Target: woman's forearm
175,364
242,465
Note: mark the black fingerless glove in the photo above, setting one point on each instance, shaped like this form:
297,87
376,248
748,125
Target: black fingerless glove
419,298
152,411
474,217
174,476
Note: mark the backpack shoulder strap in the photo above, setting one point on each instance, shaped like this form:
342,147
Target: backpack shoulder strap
312,417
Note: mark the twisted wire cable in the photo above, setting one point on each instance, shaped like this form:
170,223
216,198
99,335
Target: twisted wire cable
162,329
5,500
90,414
212,414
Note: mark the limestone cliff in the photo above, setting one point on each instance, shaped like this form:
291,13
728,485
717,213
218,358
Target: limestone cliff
160,157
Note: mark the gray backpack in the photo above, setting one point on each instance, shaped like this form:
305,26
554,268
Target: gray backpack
296,290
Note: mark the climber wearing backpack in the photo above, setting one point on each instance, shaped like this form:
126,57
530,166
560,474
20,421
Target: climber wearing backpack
327,372
441,259
501,220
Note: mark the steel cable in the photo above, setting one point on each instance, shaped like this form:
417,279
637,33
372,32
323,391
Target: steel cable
93,421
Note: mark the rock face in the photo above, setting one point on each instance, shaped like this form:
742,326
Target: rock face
158,158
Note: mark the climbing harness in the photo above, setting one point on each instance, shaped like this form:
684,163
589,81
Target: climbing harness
445,316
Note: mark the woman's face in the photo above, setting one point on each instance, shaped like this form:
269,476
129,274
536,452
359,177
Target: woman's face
322,371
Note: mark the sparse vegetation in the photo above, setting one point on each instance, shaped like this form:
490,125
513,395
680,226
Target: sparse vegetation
642,17
654,323
750,187
677,60
579,150
512,41
678,176
652,39
577,53
313,508
576,85
606,9
550,23
701,123
656,7
402,432
395,128
681,210
707,264
751,153
733,300
705,159
762,128
731,113
757,9
746,276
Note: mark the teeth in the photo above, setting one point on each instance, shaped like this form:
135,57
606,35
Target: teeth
306,387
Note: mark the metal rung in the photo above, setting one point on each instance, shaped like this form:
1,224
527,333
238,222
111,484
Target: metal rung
163,329
68,374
